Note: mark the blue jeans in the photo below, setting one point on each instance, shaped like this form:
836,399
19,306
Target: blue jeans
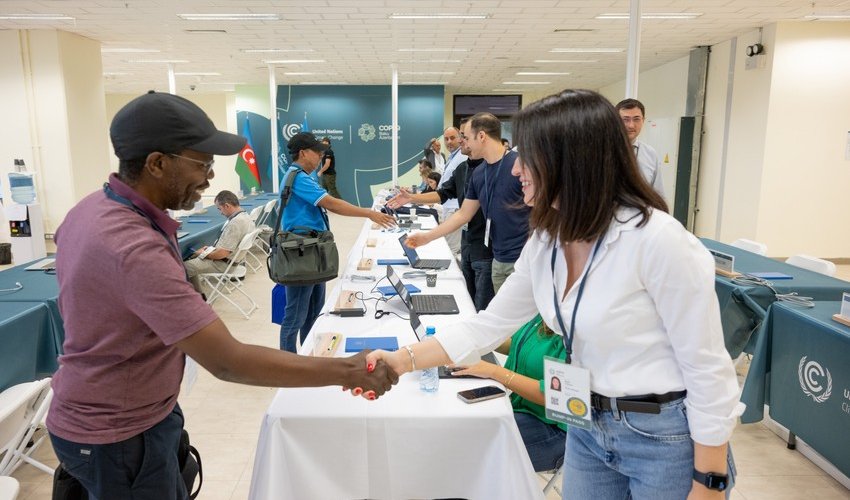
303,304
143,466
479,281
633,455
544,442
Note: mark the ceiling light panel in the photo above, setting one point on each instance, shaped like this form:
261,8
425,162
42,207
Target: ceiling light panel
229,17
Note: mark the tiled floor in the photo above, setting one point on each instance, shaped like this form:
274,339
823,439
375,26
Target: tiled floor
223,420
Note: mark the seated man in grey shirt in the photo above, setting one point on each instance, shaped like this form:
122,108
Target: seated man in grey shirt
238,224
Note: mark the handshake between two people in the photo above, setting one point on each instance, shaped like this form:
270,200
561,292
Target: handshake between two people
368,378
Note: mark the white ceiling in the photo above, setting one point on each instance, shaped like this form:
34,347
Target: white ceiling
359,41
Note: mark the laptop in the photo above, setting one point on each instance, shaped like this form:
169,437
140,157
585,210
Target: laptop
445,371
43,265
422,303
417,263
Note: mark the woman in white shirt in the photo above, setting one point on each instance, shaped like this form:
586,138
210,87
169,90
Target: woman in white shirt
632,293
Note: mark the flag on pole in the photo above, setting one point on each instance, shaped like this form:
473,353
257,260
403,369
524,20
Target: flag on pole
304,126
246,164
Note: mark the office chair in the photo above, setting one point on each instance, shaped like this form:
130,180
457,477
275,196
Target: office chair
812,264
230,280
22,409
750,246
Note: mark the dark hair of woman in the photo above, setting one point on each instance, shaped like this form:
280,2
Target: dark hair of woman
582,165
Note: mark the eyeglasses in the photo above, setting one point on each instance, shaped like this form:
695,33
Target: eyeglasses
208,165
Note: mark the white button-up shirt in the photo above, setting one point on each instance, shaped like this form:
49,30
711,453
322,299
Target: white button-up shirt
455,159
647,160
648,322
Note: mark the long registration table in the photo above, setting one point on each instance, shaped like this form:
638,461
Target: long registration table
323,443
800,368
744,307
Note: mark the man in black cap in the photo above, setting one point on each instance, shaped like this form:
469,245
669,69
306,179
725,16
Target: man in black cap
131,316
306,209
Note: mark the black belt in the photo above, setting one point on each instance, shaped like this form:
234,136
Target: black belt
648,403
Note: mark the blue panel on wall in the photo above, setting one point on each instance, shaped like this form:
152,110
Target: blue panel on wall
358,120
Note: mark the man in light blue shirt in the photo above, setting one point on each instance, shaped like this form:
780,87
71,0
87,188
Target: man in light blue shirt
451,137
306,209
632,112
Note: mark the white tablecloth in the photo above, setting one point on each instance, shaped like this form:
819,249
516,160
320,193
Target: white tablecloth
323,443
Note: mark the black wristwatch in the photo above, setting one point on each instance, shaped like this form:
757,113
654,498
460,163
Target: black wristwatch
712,480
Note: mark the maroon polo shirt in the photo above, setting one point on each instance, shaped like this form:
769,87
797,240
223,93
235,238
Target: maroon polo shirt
125,302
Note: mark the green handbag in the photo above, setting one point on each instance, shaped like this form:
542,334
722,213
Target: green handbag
302,256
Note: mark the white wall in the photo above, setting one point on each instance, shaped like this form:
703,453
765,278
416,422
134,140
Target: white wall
53,96
663,91
784,178
805,174
220,107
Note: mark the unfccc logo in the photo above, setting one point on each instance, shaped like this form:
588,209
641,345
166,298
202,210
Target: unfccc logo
811,374
291,129
366,132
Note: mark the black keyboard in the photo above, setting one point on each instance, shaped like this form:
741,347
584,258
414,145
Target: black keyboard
426,303
431,263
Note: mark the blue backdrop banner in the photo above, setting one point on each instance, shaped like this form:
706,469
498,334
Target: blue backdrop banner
358,120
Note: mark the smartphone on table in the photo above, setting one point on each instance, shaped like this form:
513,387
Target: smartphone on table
480,394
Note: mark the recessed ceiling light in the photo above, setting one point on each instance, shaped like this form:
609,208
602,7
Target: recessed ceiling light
205,32
654,15
568,61
229,17
222,83
828,17
323,83
513,91
158,61
292,61
526,83
126,50
305,73
423,83
197,73
35,17
114,73
443,61
271,51
540,73
573,30
434,50
586,50
439,16
427,72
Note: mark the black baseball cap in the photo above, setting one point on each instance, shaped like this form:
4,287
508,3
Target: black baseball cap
167,123
302,141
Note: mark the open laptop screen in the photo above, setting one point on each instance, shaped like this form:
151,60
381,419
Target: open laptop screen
411,254
400,289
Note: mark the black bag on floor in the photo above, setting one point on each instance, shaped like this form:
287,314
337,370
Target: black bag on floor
189,460
66,486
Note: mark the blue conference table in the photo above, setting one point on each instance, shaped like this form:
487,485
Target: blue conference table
743,307
204,229
27,343
800,368
41,321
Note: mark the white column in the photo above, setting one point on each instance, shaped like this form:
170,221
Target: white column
633,57
395,125
273,125
172,84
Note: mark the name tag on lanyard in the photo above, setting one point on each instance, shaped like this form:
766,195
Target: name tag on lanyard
487,233
567,392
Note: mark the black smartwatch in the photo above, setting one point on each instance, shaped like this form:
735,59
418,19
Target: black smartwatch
712,480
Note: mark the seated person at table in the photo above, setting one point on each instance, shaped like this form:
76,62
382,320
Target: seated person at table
425,168
431,182
238,224
523,374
